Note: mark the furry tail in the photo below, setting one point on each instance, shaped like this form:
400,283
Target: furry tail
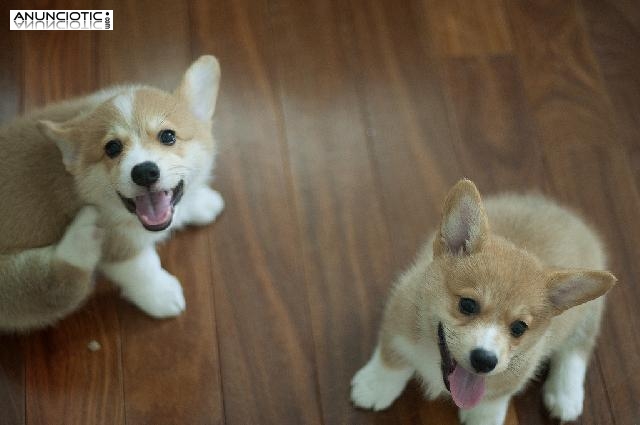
41,285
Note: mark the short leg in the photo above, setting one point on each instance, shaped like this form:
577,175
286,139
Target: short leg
488,412
200,208
146,284
378,384
563,390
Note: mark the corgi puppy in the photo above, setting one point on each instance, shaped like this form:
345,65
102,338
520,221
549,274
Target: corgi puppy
92,184
501,287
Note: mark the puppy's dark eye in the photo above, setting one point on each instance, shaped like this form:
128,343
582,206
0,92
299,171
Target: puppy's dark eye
518,327
468,306
167,137
113,148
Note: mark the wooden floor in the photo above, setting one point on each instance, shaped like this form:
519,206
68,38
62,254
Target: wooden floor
342,124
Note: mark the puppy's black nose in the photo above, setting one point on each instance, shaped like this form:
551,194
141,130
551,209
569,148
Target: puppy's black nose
483,361
145,173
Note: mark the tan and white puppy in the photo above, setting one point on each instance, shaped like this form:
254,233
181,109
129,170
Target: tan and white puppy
92,184
501,287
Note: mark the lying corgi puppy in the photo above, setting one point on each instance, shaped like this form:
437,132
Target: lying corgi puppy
92,184
498,289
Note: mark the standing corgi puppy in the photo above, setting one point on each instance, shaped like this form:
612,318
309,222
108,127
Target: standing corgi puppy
498,289
92,184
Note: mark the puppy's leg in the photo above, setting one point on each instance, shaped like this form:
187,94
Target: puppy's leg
488,412
563,390
40,286
200,207
145,283
381,380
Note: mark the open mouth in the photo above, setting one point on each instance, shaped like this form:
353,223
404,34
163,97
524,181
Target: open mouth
466,388
155,208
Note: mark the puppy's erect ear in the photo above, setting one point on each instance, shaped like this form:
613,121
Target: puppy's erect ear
464,224
570,288
61,136
199,87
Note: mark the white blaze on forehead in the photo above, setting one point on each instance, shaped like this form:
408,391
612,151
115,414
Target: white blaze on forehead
155,122
124,104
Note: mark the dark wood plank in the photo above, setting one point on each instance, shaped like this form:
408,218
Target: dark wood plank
12,380
556,58
614,32
345,243
266,344
149,44
498,145
59,64
400,92
587,168
171,368
468,28
68,383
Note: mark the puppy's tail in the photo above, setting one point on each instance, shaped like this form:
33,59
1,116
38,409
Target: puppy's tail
41,285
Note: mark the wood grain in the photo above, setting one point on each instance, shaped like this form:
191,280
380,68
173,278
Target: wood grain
468,27
12,380
63,374
614,31
489,108
344,248
409,137
266,344
342,124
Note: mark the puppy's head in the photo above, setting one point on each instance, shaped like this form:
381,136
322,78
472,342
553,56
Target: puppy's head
139,150
494,300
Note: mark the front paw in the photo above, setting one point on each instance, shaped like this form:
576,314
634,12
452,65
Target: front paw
376,386
563,399
160,298
204,207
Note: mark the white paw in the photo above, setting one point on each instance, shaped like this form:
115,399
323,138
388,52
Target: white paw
81,244
161,297
376,386
563,391
203,208
563,400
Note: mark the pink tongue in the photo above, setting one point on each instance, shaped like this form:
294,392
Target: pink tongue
467,388
154,208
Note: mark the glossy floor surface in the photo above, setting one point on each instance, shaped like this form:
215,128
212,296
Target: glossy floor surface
342,123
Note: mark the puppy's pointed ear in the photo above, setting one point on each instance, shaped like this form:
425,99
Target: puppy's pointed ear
570,288
199,87
464,225
61,136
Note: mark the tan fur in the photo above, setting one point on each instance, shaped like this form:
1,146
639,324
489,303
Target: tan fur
519,259
54,163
